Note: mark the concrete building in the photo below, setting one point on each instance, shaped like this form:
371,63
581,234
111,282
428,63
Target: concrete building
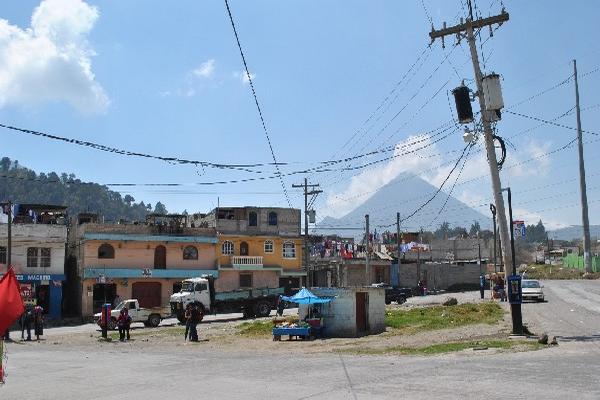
258,247
39,237
440,276
353,312
145,261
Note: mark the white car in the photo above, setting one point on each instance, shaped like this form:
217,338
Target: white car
532,290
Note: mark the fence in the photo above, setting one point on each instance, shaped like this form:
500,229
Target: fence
573,261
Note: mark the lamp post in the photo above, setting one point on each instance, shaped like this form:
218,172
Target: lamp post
515,307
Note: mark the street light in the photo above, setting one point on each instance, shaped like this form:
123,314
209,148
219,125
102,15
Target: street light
515,304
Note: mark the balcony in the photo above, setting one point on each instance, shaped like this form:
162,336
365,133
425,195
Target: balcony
246,262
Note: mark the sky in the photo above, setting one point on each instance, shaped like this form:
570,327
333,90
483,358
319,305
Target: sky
333,79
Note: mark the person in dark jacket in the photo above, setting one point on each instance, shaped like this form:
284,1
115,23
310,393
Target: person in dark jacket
195,314
123,323
187,321
482,286
27,319
38,321
281,305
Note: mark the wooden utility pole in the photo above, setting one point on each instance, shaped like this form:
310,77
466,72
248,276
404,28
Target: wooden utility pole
367,260
466,30
312,192
9,241
398,244
587,261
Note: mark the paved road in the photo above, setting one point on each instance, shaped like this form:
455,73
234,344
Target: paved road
117,371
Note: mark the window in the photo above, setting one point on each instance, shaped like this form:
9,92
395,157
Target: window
45,253
245,280
227,248
2,255
252,219
190,253
200,287
272,218
32,257
106,251
289,250
268,246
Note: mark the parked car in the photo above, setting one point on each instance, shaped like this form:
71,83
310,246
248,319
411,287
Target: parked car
532,290
151,317
397,294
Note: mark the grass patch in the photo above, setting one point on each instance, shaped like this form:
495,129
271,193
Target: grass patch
543,271
441,317
255,328
442,348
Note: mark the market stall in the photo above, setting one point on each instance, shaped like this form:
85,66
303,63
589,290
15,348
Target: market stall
311,326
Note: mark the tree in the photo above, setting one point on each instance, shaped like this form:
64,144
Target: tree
128,199
475,228
443,231
160,208
5,164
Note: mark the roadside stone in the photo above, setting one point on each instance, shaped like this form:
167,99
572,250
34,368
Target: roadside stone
450,301
543,339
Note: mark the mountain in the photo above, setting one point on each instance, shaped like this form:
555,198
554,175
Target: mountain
574,232
404,194
22,185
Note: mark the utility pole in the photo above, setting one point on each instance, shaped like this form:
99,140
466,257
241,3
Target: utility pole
479,254
9,244
584,203
398,243
367,260
312,192
467,27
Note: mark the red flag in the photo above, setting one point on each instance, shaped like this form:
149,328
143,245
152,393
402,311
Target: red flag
11,303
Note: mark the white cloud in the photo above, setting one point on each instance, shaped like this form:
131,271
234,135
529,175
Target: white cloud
243,76
205,70
51,60
540,166
365,184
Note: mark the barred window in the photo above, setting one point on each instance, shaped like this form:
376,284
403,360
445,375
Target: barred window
190,253
268,246
45,257
227,248
32,257
289,250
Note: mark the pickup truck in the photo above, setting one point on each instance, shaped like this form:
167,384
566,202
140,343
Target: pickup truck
151,317
397,294
201,292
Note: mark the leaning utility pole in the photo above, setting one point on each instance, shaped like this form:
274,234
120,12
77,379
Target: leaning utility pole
584,203
307,193
486,116
367,260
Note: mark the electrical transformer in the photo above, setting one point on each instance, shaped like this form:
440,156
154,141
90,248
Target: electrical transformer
492,92
462,98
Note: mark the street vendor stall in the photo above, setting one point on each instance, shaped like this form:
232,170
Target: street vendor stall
311,326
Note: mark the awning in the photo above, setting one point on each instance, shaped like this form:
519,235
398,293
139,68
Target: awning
305,296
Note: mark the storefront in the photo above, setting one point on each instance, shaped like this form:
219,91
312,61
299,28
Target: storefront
44,290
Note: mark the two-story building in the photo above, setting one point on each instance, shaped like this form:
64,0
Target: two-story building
258,247
39,237
146,261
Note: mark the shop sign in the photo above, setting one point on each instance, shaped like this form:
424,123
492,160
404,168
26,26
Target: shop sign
39,277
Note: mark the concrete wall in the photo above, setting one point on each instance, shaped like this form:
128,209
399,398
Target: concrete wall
40,236
439,276
339,316
455,249
288,221
230,279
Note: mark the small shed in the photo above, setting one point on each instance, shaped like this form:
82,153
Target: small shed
355,311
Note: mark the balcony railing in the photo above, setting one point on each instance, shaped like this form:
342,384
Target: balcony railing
246,262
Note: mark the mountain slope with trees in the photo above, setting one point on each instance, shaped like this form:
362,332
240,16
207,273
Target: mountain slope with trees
22,185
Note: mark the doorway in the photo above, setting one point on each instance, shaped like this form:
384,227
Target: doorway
362,326
243,249
103,293
147,293
160,257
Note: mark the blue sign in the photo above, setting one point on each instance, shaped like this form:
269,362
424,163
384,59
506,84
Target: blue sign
515,293
39,277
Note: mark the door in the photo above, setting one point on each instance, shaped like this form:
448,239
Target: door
361,313
103,293
243,249
147,293
160,257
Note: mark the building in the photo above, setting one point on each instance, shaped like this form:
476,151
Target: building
353,312
258,247
145,261
39,237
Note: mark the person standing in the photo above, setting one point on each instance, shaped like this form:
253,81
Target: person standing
188,316
194,320
38,321
482,286
281,305
123,323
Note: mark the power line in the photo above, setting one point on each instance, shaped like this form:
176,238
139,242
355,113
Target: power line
262,120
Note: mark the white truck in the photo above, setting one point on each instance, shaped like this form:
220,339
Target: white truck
151,317
201,292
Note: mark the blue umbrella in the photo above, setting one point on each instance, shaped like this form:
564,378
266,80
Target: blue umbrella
305,296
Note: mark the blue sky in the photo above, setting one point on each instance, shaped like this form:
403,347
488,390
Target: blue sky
166,79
